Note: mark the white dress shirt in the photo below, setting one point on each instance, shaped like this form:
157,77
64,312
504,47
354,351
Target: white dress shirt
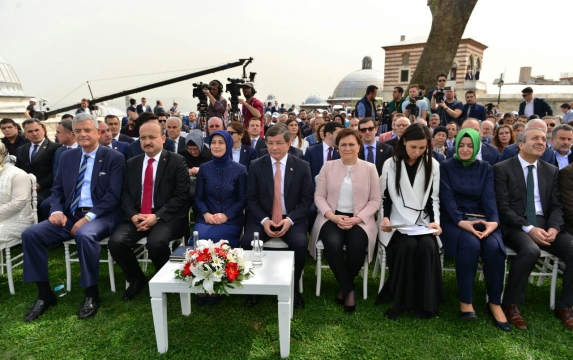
116,138
346,195
528,110
32,148
536,196
325,152
145,162
236,155
283,162
254,141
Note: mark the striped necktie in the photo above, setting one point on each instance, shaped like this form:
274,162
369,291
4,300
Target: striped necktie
79,183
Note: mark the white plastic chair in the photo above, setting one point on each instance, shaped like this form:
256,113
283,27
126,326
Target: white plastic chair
71,257
319,267
279,244
9,264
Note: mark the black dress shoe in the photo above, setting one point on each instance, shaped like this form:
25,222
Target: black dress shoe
349,309
89,308
339,301
134,288
39,308
252,301
505,326
468,315
391,314
298,301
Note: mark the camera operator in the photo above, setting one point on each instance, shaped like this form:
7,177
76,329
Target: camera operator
416,106
217,103
472,109
252,107
441,83
365,106
449,108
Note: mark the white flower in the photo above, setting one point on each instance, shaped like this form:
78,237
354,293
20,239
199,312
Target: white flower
208,277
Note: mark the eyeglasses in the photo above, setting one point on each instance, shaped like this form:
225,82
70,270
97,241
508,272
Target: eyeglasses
524,95
214,126
551,124
369,129
401,125
232,132
162,121
442,80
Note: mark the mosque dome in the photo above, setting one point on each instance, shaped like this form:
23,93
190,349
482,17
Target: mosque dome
9,83
353,86
271,98
315,99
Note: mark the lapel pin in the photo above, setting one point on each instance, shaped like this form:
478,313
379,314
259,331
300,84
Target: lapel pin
164,159
291,169
381,150
44,147
115,148
245,150
99,160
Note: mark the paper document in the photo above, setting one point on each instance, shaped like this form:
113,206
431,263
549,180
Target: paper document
418,230
402,226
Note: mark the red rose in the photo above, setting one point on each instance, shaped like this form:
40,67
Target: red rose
187,270
232,271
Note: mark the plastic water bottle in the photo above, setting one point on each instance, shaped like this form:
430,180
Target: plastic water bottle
60,290
195,238
257,252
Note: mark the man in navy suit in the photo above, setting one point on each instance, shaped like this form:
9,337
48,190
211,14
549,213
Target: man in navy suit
257,141
512,150
85,206
317,155
143,107
532,105
84,108
287,217
134,148
106,139
487,152
373,151
472,109
113,122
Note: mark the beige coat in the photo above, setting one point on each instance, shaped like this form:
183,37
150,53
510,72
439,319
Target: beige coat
367,197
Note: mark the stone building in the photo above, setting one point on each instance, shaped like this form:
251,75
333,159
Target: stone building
353,86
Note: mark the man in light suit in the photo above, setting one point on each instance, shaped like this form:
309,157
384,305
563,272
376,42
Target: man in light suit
143,107
156,209
532,105
257,141
511,150
285,218
106,140
317,155
487,152
373,151
85,206
531,219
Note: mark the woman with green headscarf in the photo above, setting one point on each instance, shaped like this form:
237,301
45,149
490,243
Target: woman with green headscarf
469,220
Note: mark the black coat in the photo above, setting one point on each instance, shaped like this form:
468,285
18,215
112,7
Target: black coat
383,153
42,166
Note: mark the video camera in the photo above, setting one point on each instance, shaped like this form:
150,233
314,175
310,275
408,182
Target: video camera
412,107
234,88
199,94
440,95
489,108
385,119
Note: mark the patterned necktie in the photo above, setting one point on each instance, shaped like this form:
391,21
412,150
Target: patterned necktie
147,198
79,183
370,157
277,203
34,152
329,156
530,209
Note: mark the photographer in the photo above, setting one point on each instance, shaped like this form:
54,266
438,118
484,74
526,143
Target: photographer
472,109
217,103
416,106
252,107
444,102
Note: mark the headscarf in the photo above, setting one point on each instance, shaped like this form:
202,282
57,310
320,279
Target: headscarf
228,155
476,141
195,138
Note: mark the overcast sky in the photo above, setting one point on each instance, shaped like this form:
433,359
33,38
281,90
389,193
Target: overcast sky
300,47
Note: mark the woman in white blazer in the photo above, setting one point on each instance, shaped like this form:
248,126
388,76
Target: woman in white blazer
347,196
410,185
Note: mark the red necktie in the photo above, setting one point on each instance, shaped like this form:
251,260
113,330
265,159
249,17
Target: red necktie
147,199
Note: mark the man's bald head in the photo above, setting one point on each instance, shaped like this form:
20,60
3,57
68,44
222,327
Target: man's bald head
471,123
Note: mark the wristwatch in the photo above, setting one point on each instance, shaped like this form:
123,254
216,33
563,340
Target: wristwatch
158,218
88,218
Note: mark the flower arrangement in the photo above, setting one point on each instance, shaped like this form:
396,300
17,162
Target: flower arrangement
215,267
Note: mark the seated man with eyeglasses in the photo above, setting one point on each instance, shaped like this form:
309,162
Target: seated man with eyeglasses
373,151
399,127
135,149
214,123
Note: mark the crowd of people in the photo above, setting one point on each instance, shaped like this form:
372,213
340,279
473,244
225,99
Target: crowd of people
480,182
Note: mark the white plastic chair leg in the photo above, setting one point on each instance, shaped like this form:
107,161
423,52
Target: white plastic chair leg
1,262
365,278
300,282
318,271
382,269
553,282
110,268
68,267
9,271
376,263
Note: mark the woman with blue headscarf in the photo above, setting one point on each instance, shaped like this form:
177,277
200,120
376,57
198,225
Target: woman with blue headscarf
220,193
469,219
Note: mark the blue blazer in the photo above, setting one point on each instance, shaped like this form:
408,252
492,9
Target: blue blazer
540,107
106,183
315,158
511,151
477,111
57,156
248,154
489,153
135,149
120,146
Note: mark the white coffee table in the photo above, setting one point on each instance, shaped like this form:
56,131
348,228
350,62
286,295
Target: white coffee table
276,277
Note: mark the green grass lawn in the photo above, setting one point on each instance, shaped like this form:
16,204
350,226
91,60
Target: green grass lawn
322,330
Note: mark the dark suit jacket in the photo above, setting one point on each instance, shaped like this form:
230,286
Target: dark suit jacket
125,138
261,144
181,146
566,191
107,177
170,189
292,151
512,150
438,157
392,142
42,166
477,111
540,107
315,158
569,158
248,154
510,190
139,108
135,149
124,130
298,190
20,140
489,153
383,153
120,146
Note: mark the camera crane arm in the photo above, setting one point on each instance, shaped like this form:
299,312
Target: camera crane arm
241,62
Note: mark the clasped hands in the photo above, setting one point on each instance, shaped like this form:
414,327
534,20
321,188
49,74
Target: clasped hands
282,227
344,222
542,237
468,226
215,219
144,222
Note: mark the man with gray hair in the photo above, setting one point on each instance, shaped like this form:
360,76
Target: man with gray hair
512,150
174,133
84,207
562,139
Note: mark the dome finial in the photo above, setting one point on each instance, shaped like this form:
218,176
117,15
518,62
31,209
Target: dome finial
367,63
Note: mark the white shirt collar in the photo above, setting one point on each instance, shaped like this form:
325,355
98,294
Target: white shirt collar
93,153
156,157
525,164
282,161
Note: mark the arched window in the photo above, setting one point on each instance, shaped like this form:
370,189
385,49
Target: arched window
406,60
453,71
478,64
471,62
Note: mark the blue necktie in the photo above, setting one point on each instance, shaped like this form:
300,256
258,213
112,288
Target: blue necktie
530,206
370,156
34,152
79,183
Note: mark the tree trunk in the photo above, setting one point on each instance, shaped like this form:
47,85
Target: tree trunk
449,20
